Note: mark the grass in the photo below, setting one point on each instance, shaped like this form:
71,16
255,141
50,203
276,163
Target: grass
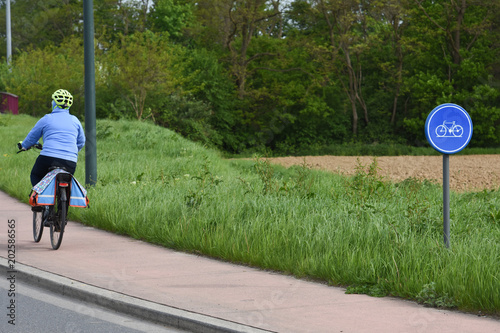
362,149
362,232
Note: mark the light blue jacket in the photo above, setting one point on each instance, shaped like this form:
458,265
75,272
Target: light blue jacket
63,135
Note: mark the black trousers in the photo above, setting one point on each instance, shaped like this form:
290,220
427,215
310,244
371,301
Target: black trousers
43,165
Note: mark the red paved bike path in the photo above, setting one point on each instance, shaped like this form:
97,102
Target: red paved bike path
239,294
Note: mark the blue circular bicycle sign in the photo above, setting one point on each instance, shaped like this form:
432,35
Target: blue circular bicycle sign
448,128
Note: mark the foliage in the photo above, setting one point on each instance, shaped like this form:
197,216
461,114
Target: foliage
372,290
172,17
114,18
35,74
189,117
42,23
209,86
141,66
482,101
430,297
270,75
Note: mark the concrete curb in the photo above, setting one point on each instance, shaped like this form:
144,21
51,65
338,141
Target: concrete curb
146,310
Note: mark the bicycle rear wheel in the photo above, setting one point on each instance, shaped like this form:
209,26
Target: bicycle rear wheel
57,226
37,225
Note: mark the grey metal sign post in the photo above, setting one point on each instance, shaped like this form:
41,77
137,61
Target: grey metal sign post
446,199
448,129
8,31
90,115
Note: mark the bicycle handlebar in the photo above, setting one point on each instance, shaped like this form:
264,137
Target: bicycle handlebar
21,149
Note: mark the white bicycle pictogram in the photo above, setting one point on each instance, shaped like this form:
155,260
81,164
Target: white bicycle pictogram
449,130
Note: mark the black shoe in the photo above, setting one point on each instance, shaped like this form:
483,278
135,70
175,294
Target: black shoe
57,228
46,217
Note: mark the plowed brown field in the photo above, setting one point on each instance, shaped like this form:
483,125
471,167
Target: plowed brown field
467,172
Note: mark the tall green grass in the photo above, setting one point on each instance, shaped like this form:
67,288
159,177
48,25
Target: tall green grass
362,232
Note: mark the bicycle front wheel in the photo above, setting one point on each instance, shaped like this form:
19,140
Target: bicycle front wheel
37,226
57,226
441,131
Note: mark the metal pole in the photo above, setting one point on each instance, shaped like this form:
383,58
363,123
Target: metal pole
9,34
90,117
446,199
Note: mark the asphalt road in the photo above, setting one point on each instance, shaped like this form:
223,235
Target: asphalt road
37,310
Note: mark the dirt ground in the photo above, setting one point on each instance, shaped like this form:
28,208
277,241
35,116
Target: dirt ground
467,172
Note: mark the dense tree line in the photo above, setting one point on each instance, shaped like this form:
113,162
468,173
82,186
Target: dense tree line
272,74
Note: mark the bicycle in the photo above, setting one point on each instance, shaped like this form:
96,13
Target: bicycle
52,214
449,130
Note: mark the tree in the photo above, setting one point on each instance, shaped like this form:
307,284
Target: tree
171,16
36,73
212,25
248,20
119,17
460,49
342,20
461,22
140,65
43,23
394,17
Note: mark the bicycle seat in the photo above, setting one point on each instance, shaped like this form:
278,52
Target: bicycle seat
57,167
62,176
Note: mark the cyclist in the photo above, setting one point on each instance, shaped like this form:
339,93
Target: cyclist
63,137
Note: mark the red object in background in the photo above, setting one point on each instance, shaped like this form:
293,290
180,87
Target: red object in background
9,103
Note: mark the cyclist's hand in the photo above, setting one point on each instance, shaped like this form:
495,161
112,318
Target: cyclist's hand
20,146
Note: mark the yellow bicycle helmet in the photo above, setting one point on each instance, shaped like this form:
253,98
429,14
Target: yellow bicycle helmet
63,98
